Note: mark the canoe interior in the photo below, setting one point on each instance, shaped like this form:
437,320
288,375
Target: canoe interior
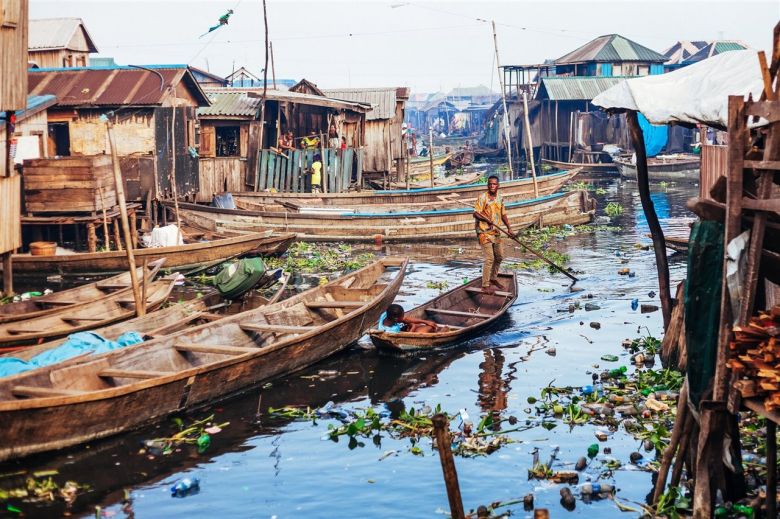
38,306
465,310
309,315
86,315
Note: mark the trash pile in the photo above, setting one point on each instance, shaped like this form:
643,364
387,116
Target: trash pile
199,434
35,487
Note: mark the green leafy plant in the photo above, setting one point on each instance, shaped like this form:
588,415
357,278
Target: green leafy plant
613,209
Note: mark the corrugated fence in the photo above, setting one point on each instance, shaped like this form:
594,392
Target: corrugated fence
292,173
714,160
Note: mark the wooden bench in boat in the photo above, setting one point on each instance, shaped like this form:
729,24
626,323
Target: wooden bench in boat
475,290
132,373
458,313
111,286
276,328
54,303
212,348
43,392
335,304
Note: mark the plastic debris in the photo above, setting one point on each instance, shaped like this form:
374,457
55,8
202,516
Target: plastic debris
634,304
185,486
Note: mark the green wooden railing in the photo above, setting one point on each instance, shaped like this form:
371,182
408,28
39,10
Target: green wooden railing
292,173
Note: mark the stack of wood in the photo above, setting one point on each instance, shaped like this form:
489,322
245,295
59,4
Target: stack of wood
755,358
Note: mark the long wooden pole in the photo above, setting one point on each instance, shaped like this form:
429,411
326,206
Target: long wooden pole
265,92
503,100
140,304
430,152
105,219
657,234
530,142
273,69
174,189
444,443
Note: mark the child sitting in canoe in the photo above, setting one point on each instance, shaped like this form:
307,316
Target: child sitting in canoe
394,321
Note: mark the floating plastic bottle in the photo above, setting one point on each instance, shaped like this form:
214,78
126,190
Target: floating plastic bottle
185,486
591,489
618,372
593,449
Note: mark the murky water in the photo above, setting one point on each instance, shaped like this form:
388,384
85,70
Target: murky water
261,466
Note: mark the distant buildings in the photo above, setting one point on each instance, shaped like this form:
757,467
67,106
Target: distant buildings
685,52
59,42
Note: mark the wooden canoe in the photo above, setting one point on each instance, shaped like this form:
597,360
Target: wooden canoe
180,257
510,190
85,399
464,310
172,319
38,306
683,166
422,165
85,316
608,169
572,208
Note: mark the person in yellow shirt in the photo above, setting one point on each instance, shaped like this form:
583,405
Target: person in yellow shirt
316,174
489,213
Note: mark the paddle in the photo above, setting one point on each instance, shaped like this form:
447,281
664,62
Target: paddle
530,249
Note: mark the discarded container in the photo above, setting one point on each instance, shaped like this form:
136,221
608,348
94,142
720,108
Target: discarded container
595,325
593,449
594,489
581,464
567,499
609,358
565,476
646,309
634,304
528,502
377,239
618,372
185,486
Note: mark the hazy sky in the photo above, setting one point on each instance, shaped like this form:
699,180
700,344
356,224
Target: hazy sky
427,46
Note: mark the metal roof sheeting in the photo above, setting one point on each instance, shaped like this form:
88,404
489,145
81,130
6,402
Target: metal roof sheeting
230,104
112,86
575,88
611,48
293,97
57,33
713,48
35,104
381,99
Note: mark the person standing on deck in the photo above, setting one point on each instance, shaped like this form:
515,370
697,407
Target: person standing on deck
489,212
333,135
316,174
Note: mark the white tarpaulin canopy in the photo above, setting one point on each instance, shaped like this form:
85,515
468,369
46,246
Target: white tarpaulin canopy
697,93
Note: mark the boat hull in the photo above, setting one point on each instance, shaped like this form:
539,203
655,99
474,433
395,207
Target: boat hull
679,170
181,257
510,190
599,170
406,342
572,208
43,424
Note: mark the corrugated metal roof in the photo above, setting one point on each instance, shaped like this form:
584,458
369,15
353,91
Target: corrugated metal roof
230,104
682,50
714,48
381,99
35,104
112,86
611,48
57,33
294,97
575,88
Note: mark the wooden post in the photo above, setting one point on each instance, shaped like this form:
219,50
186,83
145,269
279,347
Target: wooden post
265,92
143,281
444,443
174,189
571,136
659,243
273,69
8,275
430,152
530,142
557,137
140,307
105,220
117,239
503,101
134,230
91,237
771,468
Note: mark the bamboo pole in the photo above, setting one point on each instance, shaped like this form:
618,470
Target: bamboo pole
444,443
530,142
503,100
174,189
430,152
140,307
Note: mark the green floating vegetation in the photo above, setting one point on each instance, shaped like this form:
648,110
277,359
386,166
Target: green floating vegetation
438,285
198,433
613,209
309,258
583,186
38,487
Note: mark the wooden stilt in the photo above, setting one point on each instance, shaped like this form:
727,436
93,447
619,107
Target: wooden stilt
659,243
530,143
91,237
133,230
444,443
8,275
105,220
682,452
666,461
117,239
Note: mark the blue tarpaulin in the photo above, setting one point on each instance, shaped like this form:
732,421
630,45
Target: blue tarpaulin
655,136
77,344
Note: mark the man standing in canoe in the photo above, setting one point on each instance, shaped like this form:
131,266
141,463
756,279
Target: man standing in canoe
489,213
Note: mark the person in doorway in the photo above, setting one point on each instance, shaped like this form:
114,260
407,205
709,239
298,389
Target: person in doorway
333,135
394,321
489,213
285,144
316,174
343,143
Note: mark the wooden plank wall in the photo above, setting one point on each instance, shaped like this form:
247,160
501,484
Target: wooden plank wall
13,57
69,185
138,175
10,210
291,175
219,174
714,162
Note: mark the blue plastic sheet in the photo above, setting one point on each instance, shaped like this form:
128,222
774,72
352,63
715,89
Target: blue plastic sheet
77,344
655,136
